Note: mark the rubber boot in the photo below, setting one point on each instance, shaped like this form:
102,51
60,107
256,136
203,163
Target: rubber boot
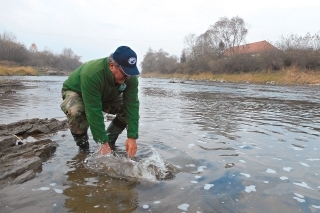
113,131
81,141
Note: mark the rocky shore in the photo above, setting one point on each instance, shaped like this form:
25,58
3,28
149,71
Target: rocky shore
20,161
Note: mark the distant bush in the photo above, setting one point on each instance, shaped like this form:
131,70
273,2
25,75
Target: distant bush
13,51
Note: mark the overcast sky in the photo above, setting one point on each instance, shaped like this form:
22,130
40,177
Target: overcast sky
94,29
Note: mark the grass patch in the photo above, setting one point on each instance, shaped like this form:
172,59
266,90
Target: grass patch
18,70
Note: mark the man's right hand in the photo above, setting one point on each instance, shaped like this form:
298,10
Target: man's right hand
104,149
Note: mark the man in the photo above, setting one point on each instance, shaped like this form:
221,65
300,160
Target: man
110,85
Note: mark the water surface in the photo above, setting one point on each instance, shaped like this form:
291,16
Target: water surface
205,147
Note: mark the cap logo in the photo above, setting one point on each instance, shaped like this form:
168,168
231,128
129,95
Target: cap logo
132,60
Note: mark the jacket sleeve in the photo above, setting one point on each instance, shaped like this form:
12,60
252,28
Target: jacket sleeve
91,96
131,106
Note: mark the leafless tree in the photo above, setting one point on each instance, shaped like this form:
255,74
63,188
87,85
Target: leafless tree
231,32
159,61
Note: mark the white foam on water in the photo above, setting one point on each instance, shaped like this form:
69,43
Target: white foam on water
145,206
298,195
316,207
242,161
193,181
190,165
178,166
240,152
318,187
200,141
276,159
265,181
191,145
157,202
304,164
244,174
184,207
299,199
313,159
197,177
96,206
201,168
44,188
296,148
208,186
287,169
53,184
242,146
250,188
302,184
284,178
270,171
59,191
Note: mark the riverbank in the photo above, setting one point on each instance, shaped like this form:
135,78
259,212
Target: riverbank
291,75
286,76
28,70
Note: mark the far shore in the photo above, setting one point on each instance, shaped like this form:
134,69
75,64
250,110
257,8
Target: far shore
289,76
285,77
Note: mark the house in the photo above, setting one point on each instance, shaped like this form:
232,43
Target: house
252,48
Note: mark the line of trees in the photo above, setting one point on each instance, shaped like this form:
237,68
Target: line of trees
207,52
13,51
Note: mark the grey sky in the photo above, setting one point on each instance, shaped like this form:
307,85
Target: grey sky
95,28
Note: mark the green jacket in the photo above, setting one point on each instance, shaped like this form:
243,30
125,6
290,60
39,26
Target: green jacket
95,83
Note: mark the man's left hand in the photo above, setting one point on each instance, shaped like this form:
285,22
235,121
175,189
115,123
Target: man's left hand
131,147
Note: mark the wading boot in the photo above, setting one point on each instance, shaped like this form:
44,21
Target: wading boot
82,141
113,131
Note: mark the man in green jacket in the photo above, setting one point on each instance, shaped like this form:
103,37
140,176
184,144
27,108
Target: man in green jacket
104,85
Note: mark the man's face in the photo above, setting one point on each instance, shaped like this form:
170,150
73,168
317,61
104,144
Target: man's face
118,73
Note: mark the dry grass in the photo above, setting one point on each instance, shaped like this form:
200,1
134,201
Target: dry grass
17,70
286,76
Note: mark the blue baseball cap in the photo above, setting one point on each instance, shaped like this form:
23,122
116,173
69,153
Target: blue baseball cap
127,59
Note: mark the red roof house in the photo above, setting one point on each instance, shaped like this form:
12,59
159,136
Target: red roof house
252,48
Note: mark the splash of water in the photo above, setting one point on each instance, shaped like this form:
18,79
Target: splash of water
150,168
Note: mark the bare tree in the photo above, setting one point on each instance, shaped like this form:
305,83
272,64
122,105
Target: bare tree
11,50
231,32
190,41
159,61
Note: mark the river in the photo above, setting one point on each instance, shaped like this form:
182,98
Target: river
203,147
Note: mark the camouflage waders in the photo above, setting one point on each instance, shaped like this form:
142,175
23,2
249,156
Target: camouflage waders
73,107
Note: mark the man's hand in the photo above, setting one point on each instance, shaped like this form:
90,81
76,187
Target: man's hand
131,147
104,149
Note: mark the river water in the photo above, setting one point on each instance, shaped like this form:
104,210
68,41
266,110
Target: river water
203,147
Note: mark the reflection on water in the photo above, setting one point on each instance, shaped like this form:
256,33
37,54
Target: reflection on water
97,192
203,147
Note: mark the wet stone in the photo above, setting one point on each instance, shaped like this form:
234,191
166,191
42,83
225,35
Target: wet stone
28,175
7,141
19,163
